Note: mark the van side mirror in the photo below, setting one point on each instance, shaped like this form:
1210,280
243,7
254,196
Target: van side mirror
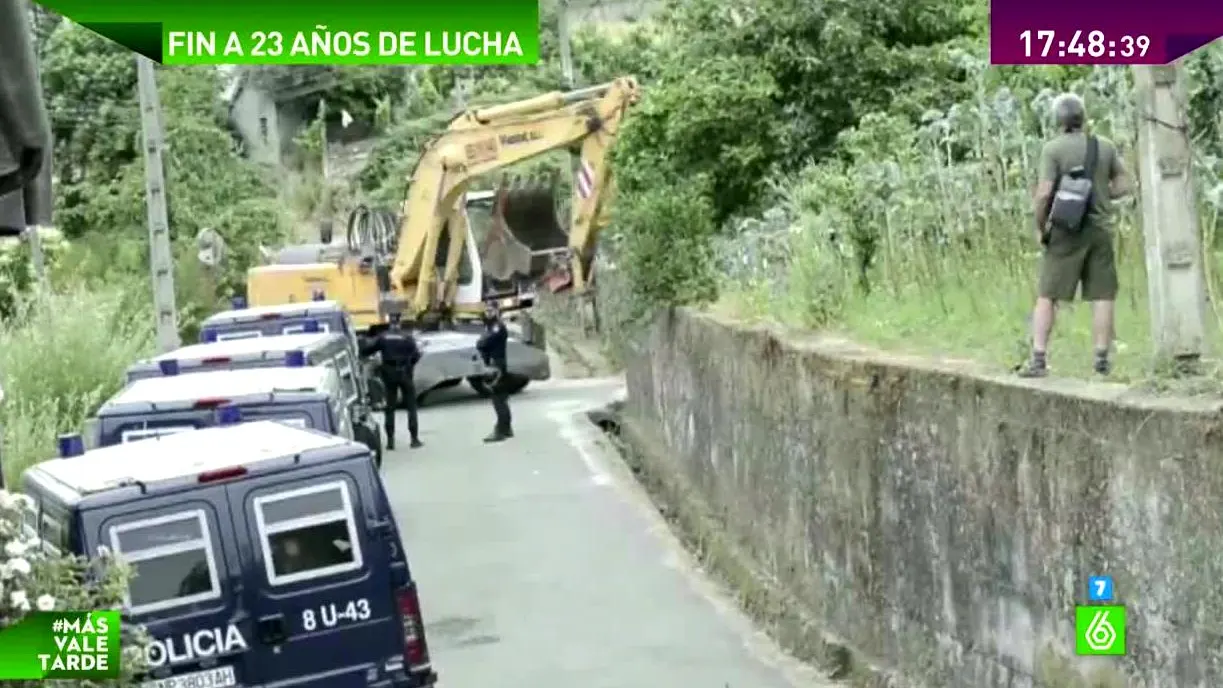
383,528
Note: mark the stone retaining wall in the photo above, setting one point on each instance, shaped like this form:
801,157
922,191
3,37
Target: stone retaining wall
940,522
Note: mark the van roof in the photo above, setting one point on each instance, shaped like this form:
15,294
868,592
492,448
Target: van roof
222,383
177,460
282,310
244,347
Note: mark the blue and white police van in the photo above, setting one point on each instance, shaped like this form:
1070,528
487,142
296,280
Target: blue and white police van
301,396
287,318
312,349
320,348
264,555
292,318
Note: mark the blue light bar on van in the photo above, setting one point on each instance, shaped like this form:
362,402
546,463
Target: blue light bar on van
318,295
295,359
71,445
238,303
229,415
208,336
311,326
168,366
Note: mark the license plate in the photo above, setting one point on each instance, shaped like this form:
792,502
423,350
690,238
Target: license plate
211,678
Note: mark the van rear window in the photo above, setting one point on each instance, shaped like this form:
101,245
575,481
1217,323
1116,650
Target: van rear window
300,328
307,533
147,433
172,560
238,334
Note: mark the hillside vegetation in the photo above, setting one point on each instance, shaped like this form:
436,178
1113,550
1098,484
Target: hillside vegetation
63,350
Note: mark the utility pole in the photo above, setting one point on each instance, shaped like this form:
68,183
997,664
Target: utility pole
322,118
563,37
33,234
161,258
1175,277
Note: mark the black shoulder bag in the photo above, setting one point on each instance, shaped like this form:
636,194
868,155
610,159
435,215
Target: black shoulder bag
1072,197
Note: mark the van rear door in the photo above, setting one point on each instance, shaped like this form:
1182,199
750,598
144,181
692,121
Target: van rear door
183,552
319,579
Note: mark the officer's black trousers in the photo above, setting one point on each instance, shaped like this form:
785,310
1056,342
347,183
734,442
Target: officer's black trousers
501,405
399,385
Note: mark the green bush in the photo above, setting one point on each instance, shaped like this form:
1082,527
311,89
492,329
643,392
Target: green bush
61,356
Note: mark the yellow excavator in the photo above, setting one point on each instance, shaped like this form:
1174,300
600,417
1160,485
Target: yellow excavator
428,265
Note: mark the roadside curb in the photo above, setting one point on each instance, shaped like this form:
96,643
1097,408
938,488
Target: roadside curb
589,363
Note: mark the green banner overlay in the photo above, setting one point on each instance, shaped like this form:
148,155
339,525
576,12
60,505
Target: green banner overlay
61,645
316,31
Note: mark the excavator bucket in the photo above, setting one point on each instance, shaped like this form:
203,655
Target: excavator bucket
525,242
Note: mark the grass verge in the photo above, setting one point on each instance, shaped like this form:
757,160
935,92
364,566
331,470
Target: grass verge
60,357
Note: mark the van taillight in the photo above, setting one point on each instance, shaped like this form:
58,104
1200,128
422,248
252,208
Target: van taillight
214,359
415,649
269,316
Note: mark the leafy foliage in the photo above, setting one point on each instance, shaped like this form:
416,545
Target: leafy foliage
742,93
100,192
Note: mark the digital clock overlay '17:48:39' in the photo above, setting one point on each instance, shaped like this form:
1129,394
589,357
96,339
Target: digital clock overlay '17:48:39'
1125,32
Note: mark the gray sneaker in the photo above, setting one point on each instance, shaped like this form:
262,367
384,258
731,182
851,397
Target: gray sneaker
1102,365
1036,366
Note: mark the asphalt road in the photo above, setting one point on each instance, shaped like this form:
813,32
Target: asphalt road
541,564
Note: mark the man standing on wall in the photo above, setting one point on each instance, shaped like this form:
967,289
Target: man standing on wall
1080,174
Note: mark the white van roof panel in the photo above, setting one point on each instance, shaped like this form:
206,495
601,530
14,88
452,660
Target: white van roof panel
182,455
241,347
223,383
302,309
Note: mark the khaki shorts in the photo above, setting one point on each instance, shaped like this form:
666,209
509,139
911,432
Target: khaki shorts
1084,257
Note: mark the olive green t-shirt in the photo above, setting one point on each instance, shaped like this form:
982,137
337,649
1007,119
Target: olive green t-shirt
1068,151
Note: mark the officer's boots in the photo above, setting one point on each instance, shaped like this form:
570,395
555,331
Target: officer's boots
499,435
390,441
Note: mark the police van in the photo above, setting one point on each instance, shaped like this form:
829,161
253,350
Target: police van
269,321
291,318
319,349
308,397
264,555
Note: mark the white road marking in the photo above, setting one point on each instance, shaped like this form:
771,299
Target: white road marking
579,383
574,429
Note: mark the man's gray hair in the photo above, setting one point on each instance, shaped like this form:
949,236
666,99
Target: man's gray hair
1069,112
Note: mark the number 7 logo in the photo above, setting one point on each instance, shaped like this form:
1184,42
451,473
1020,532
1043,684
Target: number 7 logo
1100,589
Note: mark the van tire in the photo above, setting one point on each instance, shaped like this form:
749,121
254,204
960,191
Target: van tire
514,384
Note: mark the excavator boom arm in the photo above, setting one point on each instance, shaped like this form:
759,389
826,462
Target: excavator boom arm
483,140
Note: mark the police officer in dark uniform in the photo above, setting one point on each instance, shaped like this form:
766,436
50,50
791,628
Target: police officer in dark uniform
492,348
400,354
